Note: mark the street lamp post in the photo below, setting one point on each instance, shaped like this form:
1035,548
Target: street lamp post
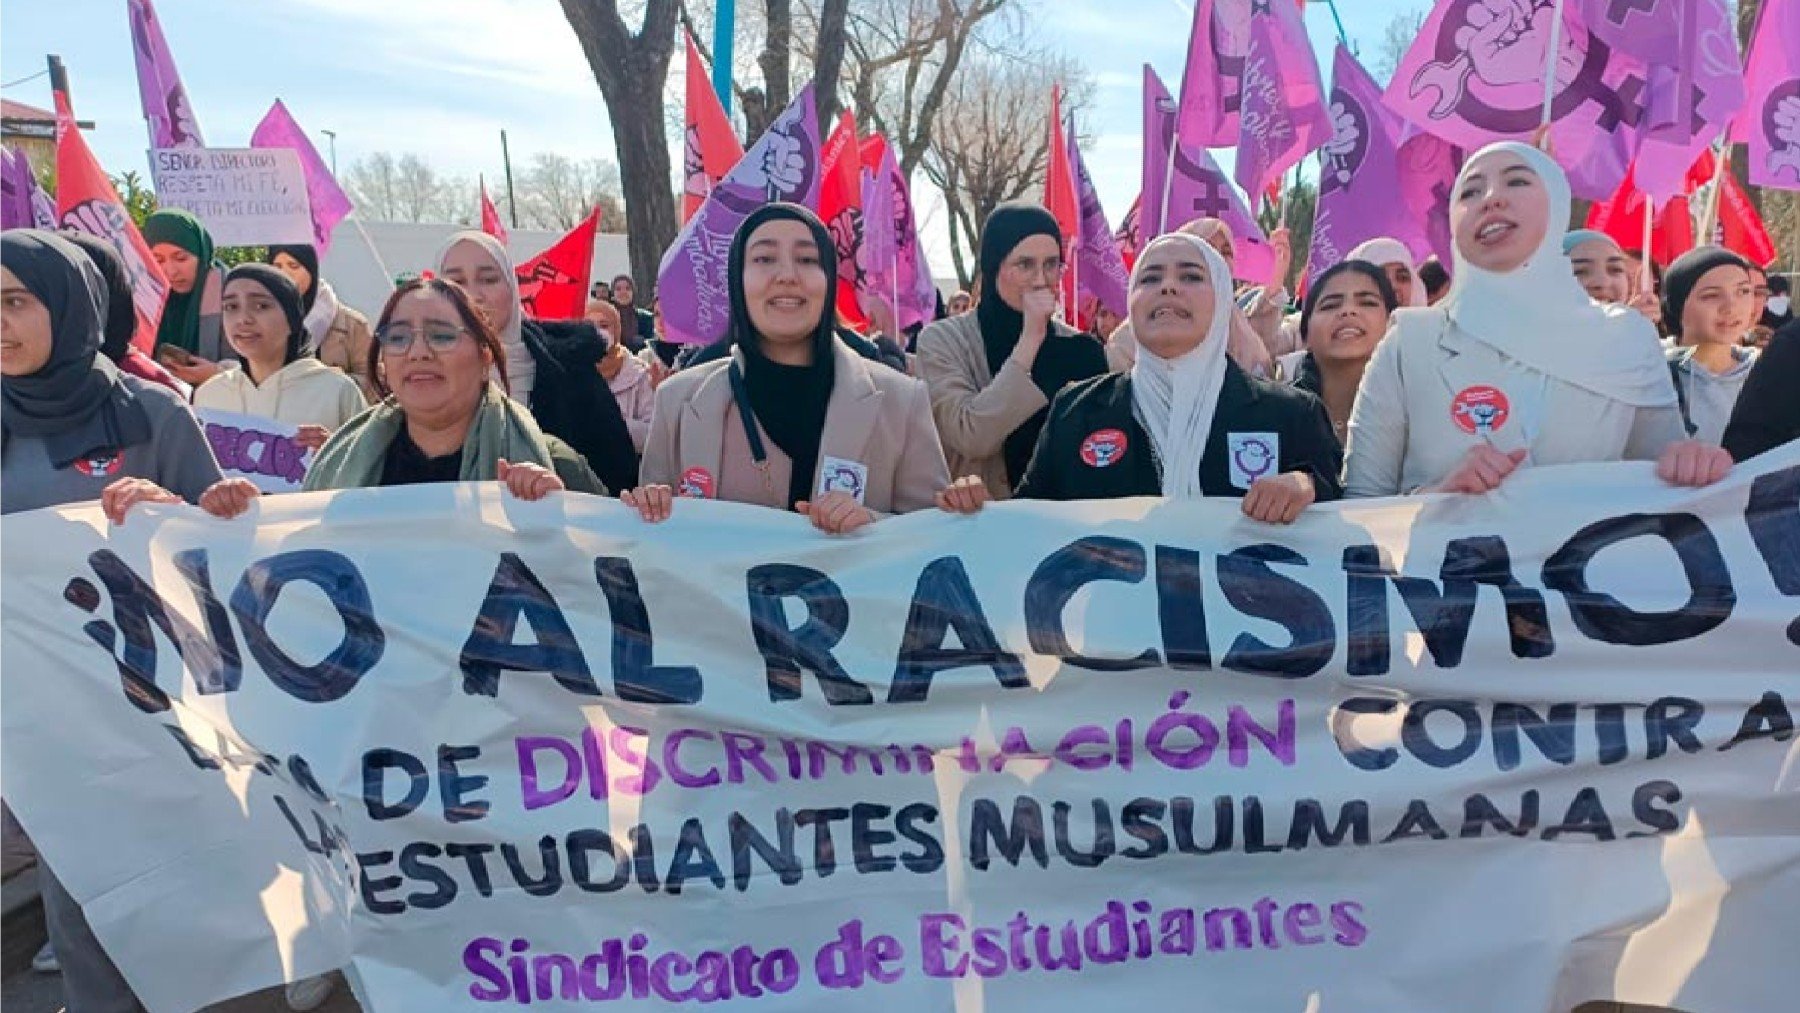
331,136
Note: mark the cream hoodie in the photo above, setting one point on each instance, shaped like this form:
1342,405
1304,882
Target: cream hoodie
305,392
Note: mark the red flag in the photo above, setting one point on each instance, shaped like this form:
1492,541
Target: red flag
87,202
1060,199
711,148
1739,229
1622,217
490,217
840,207
553,285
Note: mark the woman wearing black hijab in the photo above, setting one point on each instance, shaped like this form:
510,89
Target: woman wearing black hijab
337,335
992,373
791,418
73,429
121,315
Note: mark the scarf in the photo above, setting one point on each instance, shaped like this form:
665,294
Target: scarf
121,312
1384,251
1175,399
1685,273
789,402
1539,316
280,288
502,428
322,317
1065,357
521,368
181,314
76,402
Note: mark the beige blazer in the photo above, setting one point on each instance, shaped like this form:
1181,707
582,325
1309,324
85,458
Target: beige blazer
1404,432
346,347
876,417
975,410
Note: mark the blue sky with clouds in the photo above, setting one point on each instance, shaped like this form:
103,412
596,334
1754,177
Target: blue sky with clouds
443,77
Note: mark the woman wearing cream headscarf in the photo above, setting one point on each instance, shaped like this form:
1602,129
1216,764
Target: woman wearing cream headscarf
1395,261
1186,421
1517,363
550,364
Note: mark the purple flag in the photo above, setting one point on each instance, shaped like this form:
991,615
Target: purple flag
782,166
893,261
23,204
1648,29
1283,114
1211,82
1770,122
330,204
1428,166
1359,172
1476,75
1692,99
166,108
1195,189
1100,273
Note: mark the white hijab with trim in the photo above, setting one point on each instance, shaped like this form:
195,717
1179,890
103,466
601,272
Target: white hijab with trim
1539,316
1176,398
521,368
1386,250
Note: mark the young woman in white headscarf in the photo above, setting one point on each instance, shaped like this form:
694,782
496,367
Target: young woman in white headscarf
550,364
1517,364
1186,421
1246,345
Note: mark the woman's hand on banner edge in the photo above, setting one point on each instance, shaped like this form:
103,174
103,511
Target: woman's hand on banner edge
836,513
1482,470
1693,464
229,498
966,495
117,499
1279,499
652,502
312,437
529,482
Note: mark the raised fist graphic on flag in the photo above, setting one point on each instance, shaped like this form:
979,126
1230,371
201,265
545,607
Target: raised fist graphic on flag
1784,147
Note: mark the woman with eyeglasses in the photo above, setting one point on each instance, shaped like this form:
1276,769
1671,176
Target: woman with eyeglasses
992,373
442,418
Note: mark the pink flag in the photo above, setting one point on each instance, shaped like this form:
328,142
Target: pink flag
1100,272
1427,166
1476,75
330,204
782,166
892,266
1692,98
1648,29
166,108
1770,122
1211,82
1359,173
1283,115
1195,189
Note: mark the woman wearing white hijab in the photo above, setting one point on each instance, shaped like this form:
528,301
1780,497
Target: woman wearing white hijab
1395,261
1516,364
1186,421
1247,347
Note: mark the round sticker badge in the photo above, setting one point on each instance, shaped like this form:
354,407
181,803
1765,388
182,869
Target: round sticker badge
696,483
101,465
1103,449
1480,411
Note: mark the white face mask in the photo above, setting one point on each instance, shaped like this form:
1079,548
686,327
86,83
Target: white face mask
1778,305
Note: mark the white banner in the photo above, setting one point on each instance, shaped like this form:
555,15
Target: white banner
257,448
1504,753
244,196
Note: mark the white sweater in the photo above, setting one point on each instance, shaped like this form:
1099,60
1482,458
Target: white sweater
305,392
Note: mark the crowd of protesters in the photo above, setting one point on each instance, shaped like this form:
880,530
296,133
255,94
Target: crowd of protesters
1393,376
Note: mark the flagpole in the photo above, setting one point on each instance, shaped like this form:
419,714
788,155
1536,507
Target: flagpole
1162,213
1721,165
1556,26
1647,281
1343,38
368,241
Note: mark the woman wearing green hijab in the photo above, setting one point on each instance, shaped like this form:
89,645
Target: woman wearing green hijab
189,340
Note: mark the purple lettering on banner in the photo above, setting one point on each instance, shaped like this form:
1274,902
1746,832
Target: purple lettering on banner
531,784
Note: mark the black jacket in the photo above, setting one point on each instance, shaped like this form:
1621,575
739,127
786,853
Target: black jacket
1768,411
571,401
1093,448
